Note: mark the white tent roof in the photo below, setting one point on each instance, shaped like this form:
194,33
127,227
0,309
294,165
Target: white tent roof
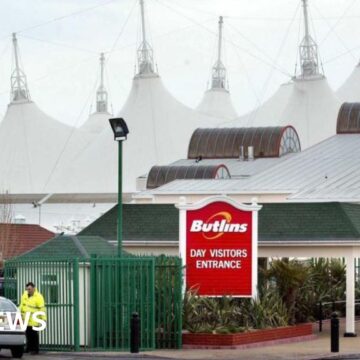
312,109
269,113
217,102
160,130
308,104
32,144
349,91
96,122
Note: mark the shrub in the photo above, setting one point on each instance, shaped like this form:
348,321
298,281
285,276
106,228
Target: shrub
228,315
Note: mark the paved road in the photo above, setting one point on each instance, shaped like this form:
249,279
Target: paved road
317,348
5,354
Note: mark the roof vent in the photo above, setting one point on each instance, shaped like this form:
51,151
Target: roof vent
250,153
241,153
19,219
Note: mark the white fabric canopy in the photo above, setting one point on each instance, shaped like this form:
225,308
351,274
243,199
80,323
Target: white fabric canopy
32,145
349,91
217,102
96,122
312,109
308,104
269,113
160,130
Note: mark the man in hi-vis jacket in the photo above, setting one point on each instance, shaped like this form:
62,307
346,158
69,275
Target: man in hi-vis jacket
32,302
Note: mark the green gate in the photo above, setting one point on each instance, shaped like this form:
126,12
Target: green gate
90,302
168,302
112,306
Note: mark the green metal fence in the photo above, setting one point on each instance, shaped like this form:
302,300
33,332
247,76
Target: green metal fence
89,302
134,293
168,302
55,280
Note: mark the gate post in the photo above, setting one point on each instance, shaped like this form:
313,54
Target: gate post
179,300
135,333
93,306
76,304
334,333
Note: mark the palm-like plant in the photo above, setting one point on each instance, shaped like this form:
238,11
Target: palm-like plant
228,315
288,276
292,293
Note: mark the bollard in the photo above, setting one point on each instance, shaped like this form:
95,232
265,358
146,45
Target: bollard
135,333
334,332
320,316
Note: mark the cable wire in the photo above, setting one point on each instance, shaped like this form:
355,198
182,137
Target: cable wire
59,18
274,66
251,42
110,52
248,78
254,113
59,44
72,131
87,102
341,55
332,29
266,84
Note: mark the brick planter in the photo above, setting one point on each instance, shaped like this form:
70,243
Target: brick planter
256,336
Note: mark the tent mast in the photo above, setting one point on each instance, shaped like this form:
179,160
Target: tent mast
308,49
19,88
101,93
218,80
145,52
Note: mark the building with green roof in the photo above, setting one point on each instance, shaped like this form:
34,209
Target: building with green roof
305,230
154,228
70,247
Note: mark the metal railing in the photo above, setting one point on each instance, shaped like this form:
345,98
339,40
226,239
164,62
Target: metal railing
90,302
321,305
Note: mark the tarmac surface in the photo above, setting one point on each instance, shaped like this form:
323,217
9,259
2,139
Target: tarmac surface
310,349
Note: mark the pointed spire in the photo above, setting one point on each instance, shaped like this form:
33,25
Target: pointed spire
101,93
19,88
218,80
145,52
309,60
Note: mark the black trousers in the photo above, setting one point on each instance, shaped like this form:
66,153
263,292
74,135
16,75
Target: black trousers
32,339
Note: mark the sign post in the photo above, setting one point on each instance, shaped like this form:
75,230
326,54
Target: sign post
218,245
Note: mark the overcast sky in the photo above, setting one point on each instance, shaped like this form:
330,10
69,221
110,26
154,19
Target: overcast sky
60,42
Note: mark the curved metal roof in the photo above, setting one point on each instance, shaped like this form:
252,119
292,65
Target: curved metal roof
215,143
160,175
348,121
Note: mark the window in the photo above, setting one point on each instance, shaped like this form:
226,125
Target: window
50,288
290,142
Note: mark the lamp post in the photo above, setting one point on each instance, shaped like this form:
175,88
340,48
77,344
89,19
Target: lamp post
120,130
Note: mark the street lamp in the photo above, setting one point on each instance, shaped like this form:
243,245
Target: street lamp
120,130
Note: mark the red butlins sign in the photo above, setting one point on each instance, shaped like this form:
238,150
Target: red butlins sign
218,243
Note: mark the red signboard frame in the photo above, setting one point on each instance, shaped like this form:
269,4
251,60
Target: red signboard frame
218,245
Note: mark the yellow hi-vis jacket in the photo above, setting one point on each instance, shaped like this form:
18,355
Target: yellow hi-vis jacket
32,304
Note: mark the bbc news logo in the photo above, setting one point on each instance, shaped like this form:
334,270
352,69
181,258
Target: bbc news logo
15,320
